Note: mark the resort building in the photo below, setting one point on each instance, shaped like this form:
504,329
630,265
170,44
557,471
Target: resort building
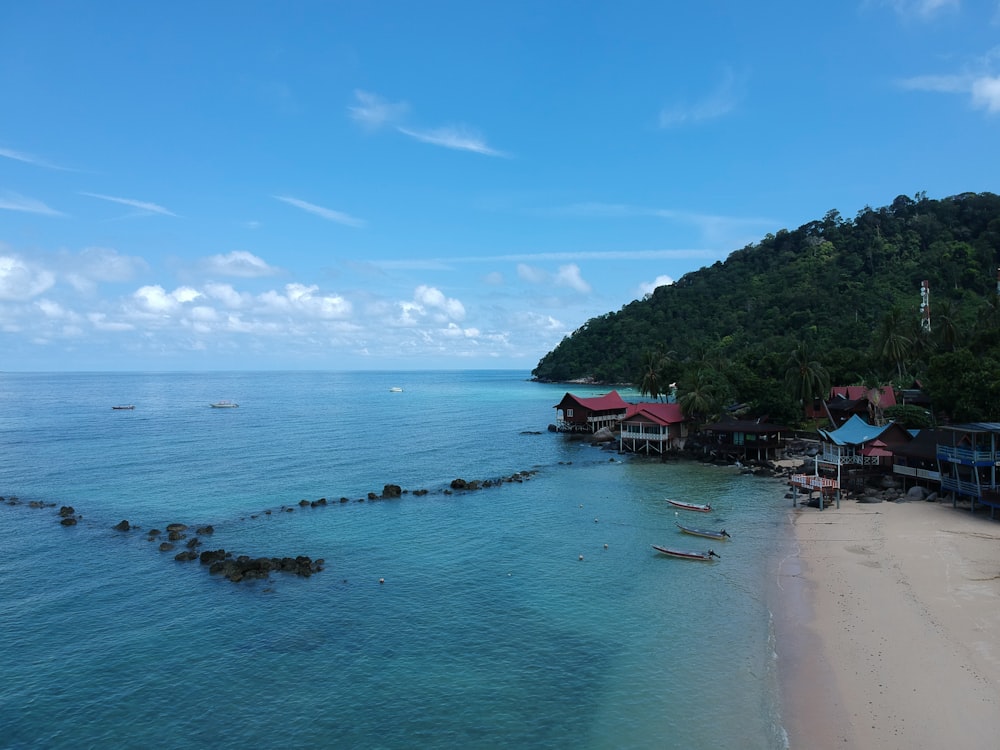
968,463
652,428
856,449
747,439
575,414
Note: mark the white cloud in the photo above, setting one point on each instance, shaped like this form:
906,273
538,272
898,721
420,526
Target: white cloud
647,287
143,206
326,213
227,295
372,111
921,9
300,298
569,275
155,299
986,94
431,304
719,102
434,299
531,274
983,90
36,161
14,202
239,263
458,138
100,321
21,280
97,264
493,278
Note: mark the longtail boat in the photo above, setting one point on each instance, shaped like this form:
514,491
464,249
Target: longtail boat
690,506
707,533
685,554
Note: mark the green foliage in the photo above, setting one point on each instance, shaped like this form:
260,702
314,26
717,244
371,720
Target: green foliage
851,288
909,416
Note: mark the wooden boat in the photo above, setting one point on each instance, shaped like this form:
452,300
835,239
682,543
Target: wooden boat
690,506
224,405
685,554
395,389
707,533
123,407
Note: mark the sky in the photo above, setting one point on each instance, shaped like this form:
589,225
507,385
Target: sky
442,185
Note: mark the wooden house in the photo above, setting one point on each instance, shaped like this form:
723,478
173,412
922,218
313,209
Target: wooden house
747,439
916,462
857,449
576,414
653,428
969,463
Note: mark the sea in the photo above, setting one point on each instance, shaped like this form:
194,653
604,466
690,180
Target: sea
531,613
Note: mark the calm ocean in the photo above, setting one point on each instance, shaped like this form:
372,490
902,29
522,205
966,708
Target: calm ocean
488,631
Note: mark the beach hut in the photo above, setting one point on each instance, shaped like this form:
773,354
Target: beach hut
653,427
576,414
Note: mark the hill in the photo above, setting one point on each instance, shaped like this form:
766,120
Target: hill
837,299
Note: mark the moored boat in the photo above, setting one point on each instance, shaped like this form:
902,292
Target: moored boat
706,508
123,407
686,554
395,389
224,405
707,533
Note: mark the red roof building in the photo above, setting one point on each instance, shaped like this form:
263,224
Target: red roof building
575,414
653,428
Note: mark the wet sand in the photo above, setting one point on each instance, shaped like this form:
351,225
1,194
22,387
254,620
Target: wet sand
888,628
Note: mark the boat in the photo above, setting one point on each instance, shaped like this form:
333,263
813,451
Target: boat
224,405
686,554
395,389
690,506
123,407
707,533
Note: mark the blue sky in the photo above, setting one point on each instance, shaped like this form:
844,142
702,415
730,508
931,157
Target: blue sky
411,185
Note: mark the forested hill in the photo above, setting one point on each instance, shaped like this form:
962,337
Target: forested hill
833,288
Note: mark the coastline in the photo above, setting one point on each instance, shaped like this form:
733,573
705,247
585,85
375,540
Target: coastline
887,627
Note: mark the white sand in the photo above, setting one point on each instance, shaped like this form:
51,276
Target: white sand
888,628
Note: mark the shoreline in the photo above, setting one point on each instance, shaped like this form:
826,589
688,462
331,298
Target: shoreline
887,627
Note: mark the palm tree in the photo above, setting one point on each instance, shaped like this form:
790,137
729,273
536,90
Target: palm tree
892,343
700,397
653,380
805,376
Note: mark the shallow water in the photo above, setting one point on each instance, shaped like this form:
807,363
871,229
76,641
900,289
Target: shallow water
489,628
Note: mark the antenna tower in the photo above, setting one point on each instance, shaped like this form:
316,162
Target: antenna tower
925,303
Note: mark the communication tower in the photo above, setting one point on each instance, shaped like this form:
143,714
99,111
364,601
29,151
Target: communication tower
925,303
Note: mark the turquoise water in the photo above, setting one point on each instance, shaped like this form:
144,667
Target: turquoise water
488,631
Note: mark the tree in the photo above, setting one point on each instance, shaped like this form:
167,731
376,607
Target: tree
653,378
700,395
805,376
892,343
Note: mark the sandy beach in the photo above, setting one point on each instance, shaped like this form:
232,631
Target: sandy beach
888,627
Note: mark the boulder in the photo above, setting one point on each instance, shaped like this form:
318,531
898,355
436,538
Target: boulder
603,435
916,493
123,526
392,490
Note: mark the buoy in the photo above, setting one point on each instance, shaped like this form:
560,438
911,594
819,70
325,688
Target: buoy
381,580
581,557
595,520
605,546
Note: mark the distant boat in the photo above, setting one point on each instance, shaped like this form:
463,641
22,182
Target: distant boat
395,389
690,506
686,554
224,405
123,407
707,533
